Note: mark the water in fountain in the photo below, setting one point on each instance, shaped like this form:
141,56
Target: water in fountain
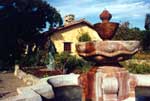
68,93
142,98
142,94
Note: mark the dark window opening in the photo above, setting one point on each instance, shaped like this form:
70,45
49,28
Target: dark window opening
67,47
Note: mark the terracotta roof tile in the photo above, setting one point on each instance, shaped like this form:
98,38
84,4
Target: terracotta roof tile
81,21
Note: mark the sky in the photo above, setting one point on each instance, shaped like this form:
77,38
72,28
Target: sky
133,11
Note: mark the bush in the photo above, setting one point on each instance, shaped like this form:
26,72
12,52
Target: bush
146,41
84,37
137,68
41,58
68,63
142,55
28,60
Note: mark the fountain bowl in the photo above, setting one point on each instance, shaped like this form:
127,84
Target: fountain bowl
107,51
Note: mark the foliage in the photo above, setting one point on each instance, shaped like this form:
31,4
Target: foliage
28,60
68,63
126,33
23,19
43,57
147,22
142,55
84,37
146,40
37,55
40,58
138,68
139,63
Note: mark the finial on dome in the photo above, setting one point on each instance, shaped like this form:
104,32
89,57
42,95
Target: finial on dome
106,29
105,15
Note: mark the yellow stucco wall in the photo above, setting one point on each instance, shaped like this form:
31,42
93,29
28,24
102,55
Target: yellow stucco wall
71,35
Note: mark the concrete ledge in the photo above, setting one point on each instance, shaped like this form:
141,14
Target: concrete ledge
43,89
64,80
130,99
28,94
39,87
142,80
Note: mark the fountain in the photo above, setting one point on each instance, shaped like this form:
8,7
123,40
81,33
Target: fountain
107,80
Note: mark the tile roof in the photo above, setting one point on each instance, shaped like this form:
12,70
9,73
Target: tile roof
81,21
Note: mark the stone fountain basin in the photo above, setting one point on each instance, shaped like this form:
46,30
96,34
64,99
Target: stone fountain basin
107,51
66,87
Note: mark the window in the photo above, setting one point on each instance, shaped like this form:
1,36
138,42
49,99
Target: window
67,47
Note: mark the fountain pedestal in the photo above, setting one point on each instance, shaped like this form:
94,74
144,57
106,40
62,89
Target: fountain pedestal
107,80
105,83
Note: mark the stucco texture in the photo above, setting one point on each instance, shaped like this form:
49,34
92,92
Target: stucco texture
72,35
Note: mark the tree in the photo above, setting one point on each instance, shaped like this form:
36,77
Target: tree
146,35
23,19
126,33
147,22
146,41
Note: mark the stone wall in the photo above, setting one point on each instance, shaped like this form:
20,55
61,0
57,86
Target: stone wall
39,89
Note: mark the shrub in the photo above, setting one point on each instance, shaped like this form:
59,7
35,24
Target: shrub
28,60
84,37
146,41
68,63
142,55
137,68
40,58
43,57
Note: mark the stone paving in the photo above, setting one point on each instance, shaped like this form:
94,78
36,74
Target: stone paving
8,84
